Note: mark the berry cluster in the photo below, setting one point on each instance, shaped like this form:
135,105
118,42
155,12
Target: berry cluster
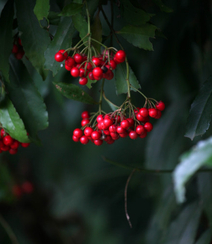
18,48
7,143
25,188
94,68
110,127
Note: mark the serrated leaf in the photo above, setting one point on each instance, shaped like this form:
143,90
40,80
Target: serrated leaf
120,79
139,36
62,40
34,39
133,15
162,6
205,237
200,113
96,31
71,9
6,40
74,92
80,24
190,162
26,99
41,9
183,229
92,6
11,121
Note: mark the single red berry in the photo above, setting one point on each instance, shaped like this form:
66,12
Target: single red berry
140,129
133,135
13,151
15,144
97,72
17,191
5,148
3,133
148,126
160,106
96,61
88,131
95,135
114,135
65,54
59,57
144,112
99,118
23,144
27,187
125,124
120,130
102,126
143,135
83,81
112,64
70,63
109,75
19,55
90,76
108,122
85,122
120,56
7,140
88,66
113,128
98,142
131,121
75,72
139,117
75,138
1,144
123,135
78,58
106,132
78,132
84,140
15,48
85,115
82,72
158,115
153,112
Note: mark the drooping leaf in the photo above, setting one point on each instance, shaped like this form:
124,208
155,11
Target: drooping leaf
54,18
92,6
41,9
80,24
34,39
6,25
120,79
96,31
162,7
205,238
190,162
11,121
62,40
74,92
139,36
183,229
26,99
133,15
71,9
200,113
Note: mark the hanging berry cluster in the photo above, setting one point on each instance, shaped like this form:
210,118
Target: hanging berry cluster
18,50
7,143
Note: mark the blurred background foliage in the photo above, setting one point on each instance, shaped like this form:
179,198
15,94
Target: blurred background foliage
78,194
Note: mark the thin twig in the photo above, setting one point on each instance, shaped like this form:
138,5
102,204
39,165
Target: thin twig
9,231
125,197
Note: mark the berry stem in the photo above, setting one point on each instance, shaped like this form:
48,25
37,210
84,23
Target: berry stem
139,92
127,78
106,99
101,94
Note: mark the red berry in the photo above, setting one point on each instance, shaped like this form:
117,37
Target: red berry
75,138
158,115
160,106
13,151
133,135
153,112
7,140
143,135
19,41
78,132
99,118
108,122
15,48
69,63
123,135
85,122
25,144
97,73
75,72
59,57
109,75
19,55
27,187
144,112
98,142
120,56
120,130
125,124
140,129
148,126
131,121
78,58
112,64
113,128
96,61
65,54
3,133
5,148
84,140
95,135
83,81
106,132
14,145
88,131
90,76
88,66
85,115
17,191
114,135
139,117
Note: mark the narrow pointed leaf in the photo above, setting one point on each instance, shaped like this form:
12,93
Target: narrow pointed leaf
34,39
96,31
62,40
71,9
11,121
139,36
6,40
190,162
80,24
74,92
200,113
41,9
26,99
120,79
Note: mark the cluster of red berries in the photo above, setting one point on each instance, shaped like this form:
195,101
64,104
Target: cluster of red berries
7,143
111,127
95,69
18,48
25,188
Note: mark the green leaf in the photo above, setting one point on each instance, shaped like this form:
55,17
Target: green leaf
190,162
53,18
111,105
80,24
96,31
133,15
74,92
71,9
90,82
120,79
162,6
200,113
41,9
92,6
139,36
11,121
6,40
205,237
26,99
183,229
62,40
34,39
